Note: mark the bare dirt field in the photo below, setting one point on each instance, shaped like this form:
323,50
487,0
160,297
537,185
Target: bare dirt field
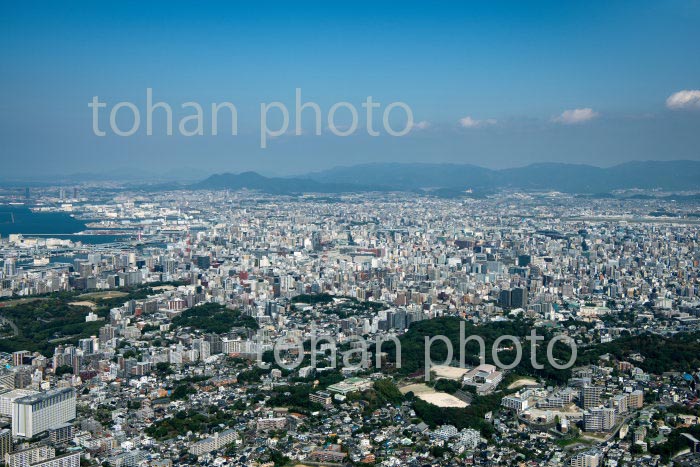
430,395
83,303
522,382
101,295
449,372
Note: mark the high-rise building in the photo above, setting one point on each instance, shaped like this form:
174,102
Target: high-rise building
513,298
203,347
107,333
7,397
89,345
62,433
202,261
10,267
620,402
316,241
504,298
518,297
5,442
590,396
19,357
215,344
636,399
599,419
32,415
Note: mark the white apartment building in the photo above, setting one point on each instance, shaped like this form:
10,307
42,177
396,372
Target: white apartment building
37,413
519,401
7,397
29,456
590,458
599,419
69,460
218,441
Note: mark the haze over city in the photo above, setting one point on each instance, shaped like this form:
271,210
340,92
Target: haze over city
499,85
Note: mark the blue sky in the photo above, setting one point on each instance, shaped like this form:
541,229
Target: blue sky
497,84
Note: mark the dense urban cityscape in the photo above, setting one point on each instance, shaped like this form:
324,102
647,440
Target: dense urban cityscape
350,234
224,328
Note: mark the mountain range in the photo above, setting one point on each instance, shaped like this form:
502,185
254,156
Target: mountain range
452,179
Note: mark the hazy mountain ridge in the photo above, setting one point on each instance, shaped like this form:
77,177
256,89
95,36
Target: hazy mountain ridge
276,185
570,178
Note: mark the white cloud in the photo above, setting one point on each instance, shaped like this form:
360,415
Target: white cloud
574,116
686,99
422,125
469,122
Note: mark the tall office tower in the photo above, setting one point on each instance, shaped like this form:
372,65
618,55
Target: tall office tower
169,266
504,298
10,267
215,345
316,241
202,261
518,297
399,321
276,287
37,413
